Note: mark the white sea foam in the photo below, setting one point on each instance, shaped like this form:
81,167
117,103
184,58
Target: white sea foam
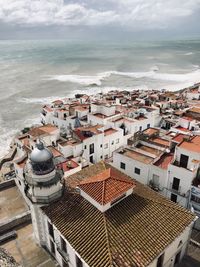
80,79
6,137
153,74
43,100
189,54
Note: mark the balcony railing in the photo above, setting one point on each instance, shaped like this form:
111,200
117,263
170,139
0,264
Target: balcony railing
44,199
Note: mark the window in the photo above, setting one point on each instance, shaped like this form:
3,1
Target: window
177,258
117,141
101,145
101,157
91,148
155,179
160,261
122,165
137,171
106,145
91,159
184,161
148,125
85,147
50,228
63,245
174,198
140,129
175,185
112,143
52,247
195,199
78,262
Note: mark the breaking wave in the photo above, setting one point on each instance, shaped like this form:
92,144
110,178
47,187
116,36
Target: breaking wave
44,100
189,54
81,79
153,74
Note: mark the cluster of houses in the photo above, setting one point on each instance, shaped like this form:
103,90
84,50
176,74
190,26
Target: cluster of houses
110,152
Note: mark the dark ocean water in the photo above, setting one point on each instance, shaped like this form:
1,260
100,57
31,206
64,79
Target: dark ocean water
36,72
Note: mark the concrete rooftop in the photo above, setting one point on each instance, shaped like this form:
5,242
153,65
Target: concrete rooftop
26,252
11,204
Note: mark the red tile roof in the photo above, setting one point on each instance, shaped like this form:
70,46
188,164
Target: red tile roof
182,129
192,145
161,141
106,186
150,131
67,165
179,138
164,161
109,131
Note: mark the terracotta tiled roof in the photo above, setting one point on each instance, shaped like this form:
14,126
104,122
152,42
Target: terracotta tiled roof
67,165
195,110
164,161
161,141
134,231
192,145
179,138
109,131
42,130
151,131
106,186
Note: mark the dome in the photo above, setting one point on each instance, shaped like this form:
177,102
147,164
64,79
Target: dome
40,154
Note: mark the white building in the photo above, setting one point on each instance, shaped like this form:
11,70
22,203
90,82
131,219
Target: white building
40,184
93,143
113,221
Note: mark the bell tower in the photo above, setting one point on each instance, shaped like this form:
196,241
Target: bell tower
42,186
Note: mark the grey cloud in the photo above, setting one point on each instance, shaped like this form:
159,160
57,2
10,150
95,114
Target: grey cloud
135,14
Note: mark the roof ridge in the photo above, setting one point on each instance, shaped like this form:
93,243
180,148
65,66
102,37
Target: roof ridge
107,240
122,180
103,191
98,177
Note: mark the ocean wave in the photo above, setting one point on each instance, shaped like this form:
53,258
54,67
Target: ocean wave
189,54
153,74
7,134
80,79
42,100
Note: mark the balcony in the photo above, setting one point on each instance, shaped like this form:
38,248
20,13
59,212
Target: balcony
155,187
178,164
177,191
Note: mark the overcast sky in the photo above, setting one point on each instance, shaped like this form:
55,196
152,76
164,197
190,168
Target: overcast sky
77,18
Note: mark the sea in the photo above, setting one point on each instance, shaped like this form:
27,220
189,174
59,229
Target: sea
34,73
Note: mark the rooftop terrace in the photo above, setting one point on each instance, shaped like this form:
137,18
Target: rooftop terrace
136,155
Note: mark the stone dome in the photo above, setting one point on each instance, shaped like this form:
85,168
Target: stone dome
40,154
